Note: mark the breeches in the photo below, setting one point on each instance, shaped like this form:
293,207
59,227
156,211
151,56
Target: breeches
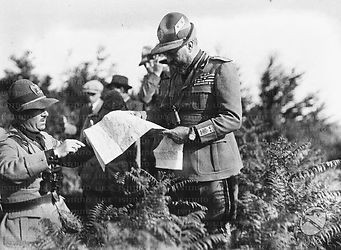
219,197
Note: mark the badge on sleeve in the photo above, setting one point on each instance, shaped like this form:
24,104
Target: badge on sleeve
206,130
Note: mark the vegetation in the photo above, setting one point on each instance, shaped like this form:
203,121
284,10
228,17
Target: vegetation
291,173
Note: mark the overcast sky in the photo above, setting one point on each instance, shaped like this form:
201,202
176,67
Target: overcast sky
304,34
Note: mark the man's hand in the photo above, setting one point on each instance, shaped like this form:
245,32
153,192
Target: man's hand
178,134
68,146
154,66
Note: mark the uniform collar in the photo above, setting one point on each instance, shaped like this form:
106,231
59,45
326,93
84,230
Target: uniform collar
33,136
198,63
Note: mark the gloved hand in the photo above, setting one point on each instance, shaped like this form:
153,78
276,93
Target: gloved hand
178,134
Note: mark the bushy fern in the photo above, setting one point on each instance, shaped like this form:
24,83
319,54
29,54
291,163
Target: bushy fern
281,183
145,223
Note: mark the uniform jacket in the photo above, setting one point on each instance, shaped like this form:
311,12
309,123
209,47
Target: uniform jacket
21,167
22,162
208,98
20,177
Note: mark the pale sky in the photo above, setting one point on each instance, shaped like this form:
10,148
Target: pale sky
304,34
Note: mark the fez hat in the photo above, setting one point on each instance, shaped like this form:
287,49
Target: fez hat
120,81
24,95
174,31
93,86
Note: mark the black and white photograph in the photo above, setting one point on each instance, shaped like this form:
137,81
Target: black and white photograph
170,125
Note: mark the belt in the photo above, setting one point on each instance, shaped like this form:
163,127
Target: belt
189,119
26,205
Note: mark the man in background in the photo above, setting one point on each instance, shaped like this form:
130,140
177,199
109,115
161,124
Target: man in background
150,94
121,85
93,91
101,185
157,68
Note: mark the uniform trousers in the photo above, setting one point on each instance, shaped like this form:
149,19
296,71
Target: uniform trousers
219,197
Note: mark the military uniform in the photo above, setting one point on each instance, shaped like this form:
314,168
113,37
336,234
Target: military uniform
22,162
29,174
206,98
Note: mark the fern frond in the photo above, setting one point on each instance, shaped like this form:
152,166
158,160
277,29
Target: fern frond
196,216
193,232
70,222
190,204
209,242
94,214
177,185
315,170
326,196
298,153
328,233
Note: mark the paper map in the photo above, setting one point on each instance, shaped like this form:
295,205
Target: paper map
118,130
169,154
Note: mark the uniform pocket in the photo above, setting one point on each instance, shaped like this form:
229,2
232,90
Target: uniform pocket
222,154
23,228
200,96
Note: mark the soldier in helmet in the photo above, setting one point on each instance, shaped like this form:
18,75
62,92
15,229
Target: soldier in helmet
29,162
202,109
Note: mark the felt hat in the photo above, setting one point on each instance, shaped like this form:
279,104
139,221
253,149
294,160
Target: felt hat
120,81
24,95
174,31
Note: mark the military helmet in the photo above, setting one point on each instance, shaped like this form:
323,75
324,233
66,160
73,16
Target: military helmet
174,31
24,95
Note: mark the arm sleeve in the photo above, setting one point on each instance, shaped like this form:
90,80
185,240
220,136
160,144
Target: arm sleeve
19,168
228,104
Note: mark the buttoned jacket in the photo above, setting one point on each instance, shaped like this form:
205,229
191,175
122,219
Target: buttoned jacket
209,100
22,162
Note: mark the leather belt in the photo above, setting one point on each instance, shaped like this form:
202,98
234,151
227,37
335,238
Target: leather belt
190,119
26,205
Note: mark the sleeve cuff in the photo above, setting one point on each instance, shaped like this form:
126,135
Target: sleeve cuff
206,131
